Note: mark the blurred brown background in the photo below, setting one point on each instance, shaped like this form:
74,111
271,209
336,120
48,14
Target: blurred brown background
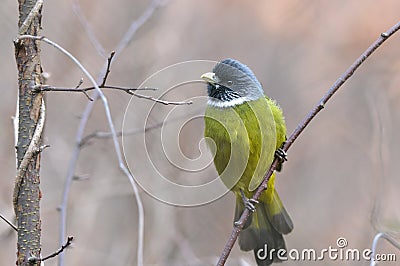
345,160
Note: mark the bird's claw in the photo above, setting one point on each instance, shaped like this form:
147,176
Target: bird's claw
281,155
249,203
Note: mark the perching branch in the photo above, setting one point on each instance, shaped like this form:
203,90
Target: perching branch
300,128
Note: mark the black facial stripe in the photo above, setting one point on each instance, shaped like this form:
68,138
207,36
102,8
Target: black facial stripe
221,92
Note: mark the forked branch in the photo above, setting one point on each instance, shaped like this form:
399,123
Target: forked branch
129,90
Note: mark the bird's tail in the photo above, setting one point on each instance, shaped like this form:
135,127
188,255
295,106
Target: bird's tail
264,230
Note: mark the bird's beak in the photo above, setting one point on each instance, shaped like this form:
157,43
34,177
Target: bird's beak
209,77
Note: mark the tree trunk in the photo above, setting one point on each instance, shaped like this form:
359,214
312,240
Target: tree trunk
30,111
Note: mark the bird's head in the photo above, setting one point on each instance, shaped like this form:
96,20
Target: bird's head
231,83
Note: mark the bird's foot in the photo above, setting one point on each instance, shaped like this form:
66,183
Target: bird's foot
281,155
249,203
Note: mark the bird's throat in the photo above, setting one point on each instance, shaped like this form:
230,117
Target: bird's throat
225,104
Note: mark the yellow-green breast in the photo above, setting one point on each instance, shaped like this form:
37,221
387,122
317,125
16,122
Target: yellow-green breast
245,138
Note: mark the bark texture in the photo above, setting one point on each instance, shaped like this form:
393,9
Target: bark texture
27,192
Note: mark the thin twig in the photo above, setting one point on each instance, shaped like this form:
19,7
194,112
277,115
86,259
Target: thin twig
71,172
85,90
77,89
129,89
107,135
8,222
79,134
159,100
109,59
137,24
378,236
300,128
125,89
102,85
36,260
61,249
89,31
76,151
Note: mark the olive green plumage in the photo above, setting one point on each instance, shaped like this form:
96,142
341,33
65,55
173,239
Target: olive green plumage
252,133
243,138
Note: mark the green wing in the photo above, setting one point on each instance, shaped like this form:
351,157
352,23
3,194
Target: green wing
279,122
264,144
274,134
227,137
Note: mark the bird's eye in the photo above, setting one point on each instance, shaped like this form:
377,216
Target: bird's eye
229,82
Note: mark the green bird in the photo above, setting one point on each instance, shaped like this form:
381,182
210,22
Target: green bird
244,129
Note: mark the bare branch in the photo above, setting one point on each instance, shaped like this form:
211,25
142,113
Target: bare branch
128,90
84,92
106,135
76,151
159,100
77,89
26,193
67,244
34,260
71,173
300,128
105,105
102,85
109,59
32,14
8,222
89,31
32,150
137,24
41,148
